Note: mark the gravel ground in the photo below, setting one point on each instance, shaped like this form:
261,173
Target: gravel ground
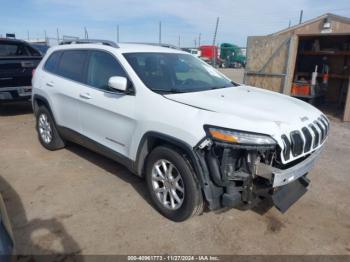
75,201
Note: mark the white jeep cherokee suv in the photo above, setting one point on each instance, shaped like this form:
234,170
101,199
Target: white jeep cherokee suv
195,136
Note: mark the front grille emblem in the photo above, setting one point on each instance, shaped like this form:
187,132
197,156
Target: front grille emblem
304,118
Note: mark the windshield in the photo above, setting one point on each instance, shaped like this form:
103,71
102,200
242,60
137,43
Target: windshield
175,73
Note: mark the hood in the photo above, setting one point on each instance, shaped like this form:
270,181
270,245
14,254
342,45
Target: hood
250,103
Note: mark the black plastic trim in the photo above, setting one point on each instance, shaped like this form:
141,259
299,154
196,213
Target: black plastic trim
322,131
166,138
44,101
317,135
211,192
287,147
297,143
308,139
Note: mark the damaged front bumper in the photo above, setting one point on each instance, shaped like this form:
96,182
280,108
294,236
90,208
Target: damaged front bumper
237,177
290,184
280,177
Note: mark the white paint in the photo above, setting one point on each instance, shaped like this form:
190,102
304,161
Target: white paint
126,118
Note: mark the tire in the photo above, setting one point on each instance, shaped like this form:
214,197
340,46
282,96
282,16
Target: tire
47,131
191,199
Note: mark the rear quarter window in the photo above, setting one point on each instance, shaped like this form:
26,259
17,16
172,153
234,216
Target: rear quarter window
13,49
71,64
52,62
32,51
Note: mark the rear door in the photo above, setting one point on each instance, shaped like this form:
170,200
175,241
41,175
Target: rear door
17,60
107,116
64,84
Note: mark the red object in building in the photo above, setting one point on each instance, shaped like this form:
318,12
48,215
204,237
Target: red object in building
301,89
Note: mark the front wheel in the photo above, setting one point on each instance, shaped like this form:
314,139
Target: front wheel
172,184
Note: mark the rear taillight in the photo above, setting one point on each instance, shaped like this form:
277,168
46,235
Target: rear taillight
33,72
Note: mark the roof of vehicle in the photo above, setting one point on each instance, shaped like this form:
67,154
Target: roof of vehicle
13,41
121,47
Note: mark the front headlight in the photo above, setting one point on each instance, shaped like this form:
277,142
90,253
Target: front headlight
239,137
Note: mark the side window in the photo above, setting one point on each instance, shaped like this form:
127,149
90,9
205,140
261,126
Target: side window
71,64
12,50
101,67
21,51
52,62
32,51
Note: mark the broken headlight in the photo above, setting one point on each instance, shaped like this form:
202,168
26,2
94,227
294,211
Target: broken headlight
239,137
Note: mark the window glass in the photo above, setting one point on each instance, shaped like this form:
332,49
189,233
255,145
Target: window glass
101,67
72,63
12,50
52,62
32,51
176,72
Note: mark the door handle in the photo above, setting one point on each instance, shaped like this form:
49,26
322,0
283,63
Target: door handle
85,95
50,84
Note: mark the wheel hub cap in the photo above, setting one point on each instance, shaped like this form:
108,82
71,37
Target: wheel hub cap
45,128
167,184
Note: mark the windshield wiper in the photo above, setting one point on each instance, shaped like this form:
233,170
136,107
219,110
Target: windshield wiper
170,91
219,87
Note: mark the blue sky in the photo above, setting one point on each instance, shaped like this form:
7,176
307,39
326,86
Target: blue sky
138,20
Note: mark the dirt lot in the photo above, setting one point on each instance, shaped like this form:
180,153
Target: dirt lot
75,201
234,74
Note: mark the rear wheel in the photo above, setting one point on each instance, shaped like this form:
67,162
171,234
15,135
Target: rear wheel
172,185
47,132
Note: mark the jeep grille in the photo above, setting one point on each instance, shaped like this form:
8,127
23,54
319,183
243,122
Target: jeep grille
310,137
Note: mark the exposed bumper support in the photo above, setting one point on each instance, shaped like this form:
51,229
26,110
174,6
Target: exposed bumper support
234,177
281,177
287,195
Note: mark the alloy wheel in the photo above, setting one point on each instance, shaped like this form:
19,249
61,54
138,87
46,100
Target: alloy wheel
167,184
45,128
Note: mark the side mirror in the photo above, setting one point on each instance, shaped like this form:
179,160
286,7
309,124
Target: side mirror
118,83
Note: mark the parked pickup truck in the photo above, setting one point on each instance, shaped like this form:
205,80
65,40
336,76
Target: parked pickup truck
17,61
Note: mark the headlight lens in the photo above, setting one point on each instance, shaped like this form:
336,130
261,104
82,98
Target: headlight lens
240,137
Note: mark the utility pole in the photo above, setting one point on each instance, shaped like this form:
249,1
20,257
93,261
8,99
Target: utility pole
195,43
290,23
58,36
214,40
160,32
179,43
45,36
199,39
117,33
86,33
301,16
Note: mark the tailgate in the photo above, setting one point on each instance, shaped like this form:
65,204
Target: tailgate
17,71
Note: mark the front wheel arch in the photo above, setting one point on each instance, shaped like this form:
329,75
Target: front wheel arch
151,140
192,203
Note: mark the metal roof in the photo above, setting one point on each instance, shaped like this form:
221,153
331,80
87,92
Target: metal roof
321,17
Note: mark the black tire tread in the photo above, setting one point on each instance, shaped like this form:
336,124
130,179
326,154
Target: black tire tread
197,206
57,142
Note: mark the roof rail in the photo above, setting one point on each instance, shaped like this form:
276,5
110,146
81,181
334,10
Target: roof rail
89,41
154,44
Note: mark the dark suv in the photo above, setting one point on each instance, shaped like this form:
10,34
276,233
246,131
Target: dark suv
17,61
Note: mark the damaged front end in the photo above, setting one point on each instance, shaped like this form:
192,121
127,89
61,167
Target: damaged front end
241,169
